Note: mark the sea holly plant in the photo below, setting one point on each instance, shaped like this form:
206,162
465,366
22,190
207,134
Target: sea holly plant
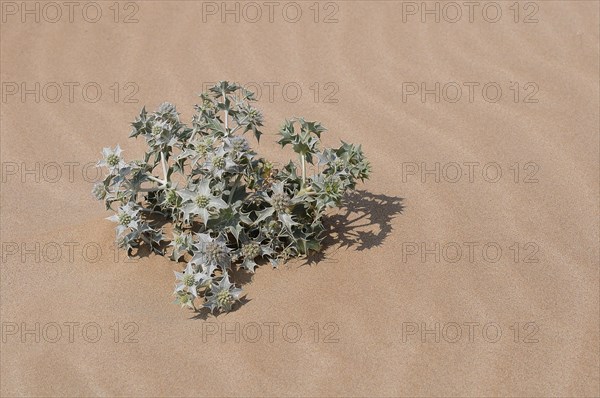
203,197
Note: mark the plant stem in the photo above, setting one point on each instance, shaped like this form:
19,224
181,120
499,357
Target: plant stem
235,186
164,165
161,182
240,124
226,112
303,162
151,211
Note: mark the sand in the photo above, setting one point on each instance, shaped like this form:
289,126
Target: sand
477,284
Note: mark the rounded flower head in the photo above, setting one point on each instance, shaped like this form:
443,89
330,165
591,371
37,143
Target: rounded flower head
162,132
211,253
251,250
204,146
167,112
333,187
200,201
112,160
238,148
225,299
215,252
280,200
219,163
99,191
189,280
223,295
272,228
240,144
171,198
126,217
339,164
181,243
185,299
157,129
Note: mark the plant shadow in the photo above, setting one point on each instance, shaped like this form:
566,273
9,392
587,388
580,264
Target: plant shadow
204,313
362,222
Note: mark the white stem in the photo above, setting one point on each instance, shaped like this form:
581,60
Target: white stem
161,182
240,124
226,113
164,165
303,169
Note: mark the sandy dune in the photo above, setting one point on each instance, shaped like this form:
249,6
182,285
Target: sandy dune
500,269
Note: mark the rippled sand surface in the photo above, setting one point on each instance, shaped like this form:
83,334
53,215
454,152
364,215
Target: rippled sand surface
468,266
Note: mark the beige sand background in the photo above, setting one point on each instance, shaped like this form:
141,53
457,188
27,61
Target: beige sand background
370,291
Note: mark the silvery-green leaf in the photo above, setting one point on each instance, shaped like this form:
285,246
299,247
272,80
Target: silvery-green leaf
263,214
